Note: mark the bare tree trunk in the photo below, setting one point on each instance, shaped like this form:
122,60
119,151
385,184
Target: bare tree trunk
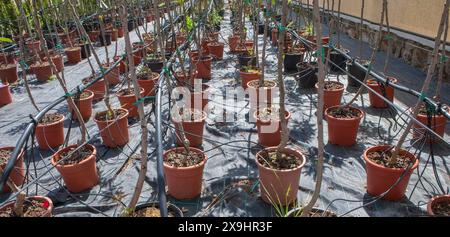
60,80
263,59
389,39
426,84
339,25
321,80
361,29
437,96
374,53
83,31
142,119
284,128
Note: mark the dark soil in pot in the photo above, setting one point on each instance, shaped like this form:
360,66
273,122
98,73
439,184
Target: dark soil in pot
31,208
50,118
344,112
333,86
286,161
255,84
382,158
69,157
4,156
152,210
183,159
118,113
441,208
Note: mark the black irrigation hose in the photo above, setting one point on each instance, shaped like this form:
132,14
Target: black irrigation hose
376,76
31,126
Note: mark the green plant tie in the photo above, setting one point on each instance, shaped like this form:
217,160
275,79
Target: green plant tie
255,185
444,58
23,64
166,71
68,94
423,96
369,68
431,109
59,46
281,28
102,70
124,56
321,54
142,100
388,37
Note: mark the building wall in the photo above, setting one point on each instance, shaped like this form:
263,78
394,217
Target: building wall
421,17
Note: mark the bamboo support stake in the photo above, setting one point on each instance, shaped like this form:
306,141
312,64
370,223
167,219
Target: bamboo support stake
373,56
426,84
142,119
443,63
321,82
284,128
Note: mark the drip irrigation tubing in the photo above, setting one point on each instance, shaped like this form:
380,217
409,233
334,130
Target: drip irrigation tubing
75,92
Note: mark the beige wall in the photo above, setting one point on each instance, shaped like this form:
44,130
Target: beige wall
418,16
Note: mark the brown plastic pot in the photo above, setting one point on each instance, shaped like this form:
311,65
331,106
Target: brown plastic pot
343,131
84,106
114,34
435,200
120,32
380,178
34,45
47,213
204,45
8,73
438,123
17,175
280,186
127,102
81,176
98,88
184,182
203,66
332,97
50,135
5,95
149,84
246,77
122,64
114,133
185,80
193,131
376,101
269,132
73,55
113,76
216,50
203,96
42,71
93,35
256,96
233,42
58,62
274,36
